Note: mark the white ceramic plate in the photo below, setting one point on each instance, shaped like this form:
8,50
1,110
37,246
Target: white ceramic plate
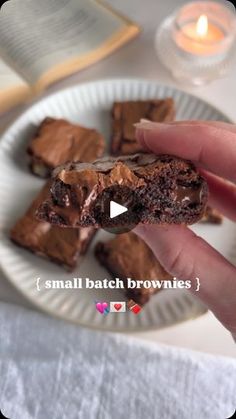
90,105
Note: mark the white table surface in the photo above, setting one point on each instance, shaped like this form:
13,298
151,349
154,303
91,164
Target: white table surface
138,59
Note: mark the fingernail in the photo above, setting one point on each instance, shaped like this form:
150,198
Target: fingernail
144,124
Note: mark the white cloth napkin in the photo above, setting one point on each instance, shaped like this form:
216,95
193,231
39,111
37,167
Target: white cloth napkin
50,369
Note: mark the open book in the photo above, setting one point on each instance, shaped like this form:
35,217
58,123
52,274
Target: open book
43,41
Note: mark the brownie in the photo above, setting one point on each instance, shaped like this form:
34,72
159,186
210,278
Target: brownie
62,246
57,141
167,190
126,114
128,256
212,216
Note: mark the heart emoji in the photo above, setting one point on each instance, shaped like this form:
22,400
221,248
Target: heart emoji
102,307
136,309
117,306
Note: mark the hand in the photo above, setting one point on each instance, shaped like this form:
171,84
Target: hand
212,147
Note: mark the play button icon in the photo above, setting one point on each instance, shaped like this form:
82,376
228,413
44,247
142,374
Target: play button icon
116,209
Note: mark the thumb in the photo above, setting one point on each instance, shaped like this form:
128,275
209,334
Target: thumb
187,256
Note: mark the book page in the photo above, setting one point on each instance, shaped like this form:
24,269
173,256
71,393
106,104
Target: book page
8,78
37,35
13,89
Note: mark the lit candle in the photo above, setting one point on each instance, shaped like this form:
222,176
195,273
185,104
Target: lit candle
197,42
201,30
201,37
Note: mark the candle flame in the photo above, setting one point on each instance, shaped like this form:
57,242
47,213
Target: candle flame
202,26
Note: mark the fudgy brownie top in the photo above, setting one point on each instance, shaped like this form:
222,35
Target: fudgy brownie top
121,168
60,245
126,114
58,141
132,171
161,181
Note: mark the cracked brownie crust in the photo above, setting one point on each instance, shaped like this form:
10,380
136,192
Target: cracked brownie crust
62,246
126,114
57,141
169,190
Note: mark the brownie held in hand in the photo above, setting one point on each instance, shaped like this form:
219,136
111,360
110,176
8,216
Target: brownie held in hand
62,246
166,190
128,256
126,114
57,141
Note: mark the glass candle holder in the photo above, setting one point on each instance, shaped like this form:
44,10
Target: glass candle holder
197,42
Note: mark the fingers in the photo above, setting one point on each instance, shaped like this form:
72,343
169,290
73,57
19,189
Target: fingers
222,195
196,259
211,146
218,124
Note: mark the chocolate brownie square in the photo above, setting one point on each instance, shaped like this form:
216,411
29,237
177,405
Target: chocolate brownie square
126,114
212,216
160,189
128,256
62,246
58,141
